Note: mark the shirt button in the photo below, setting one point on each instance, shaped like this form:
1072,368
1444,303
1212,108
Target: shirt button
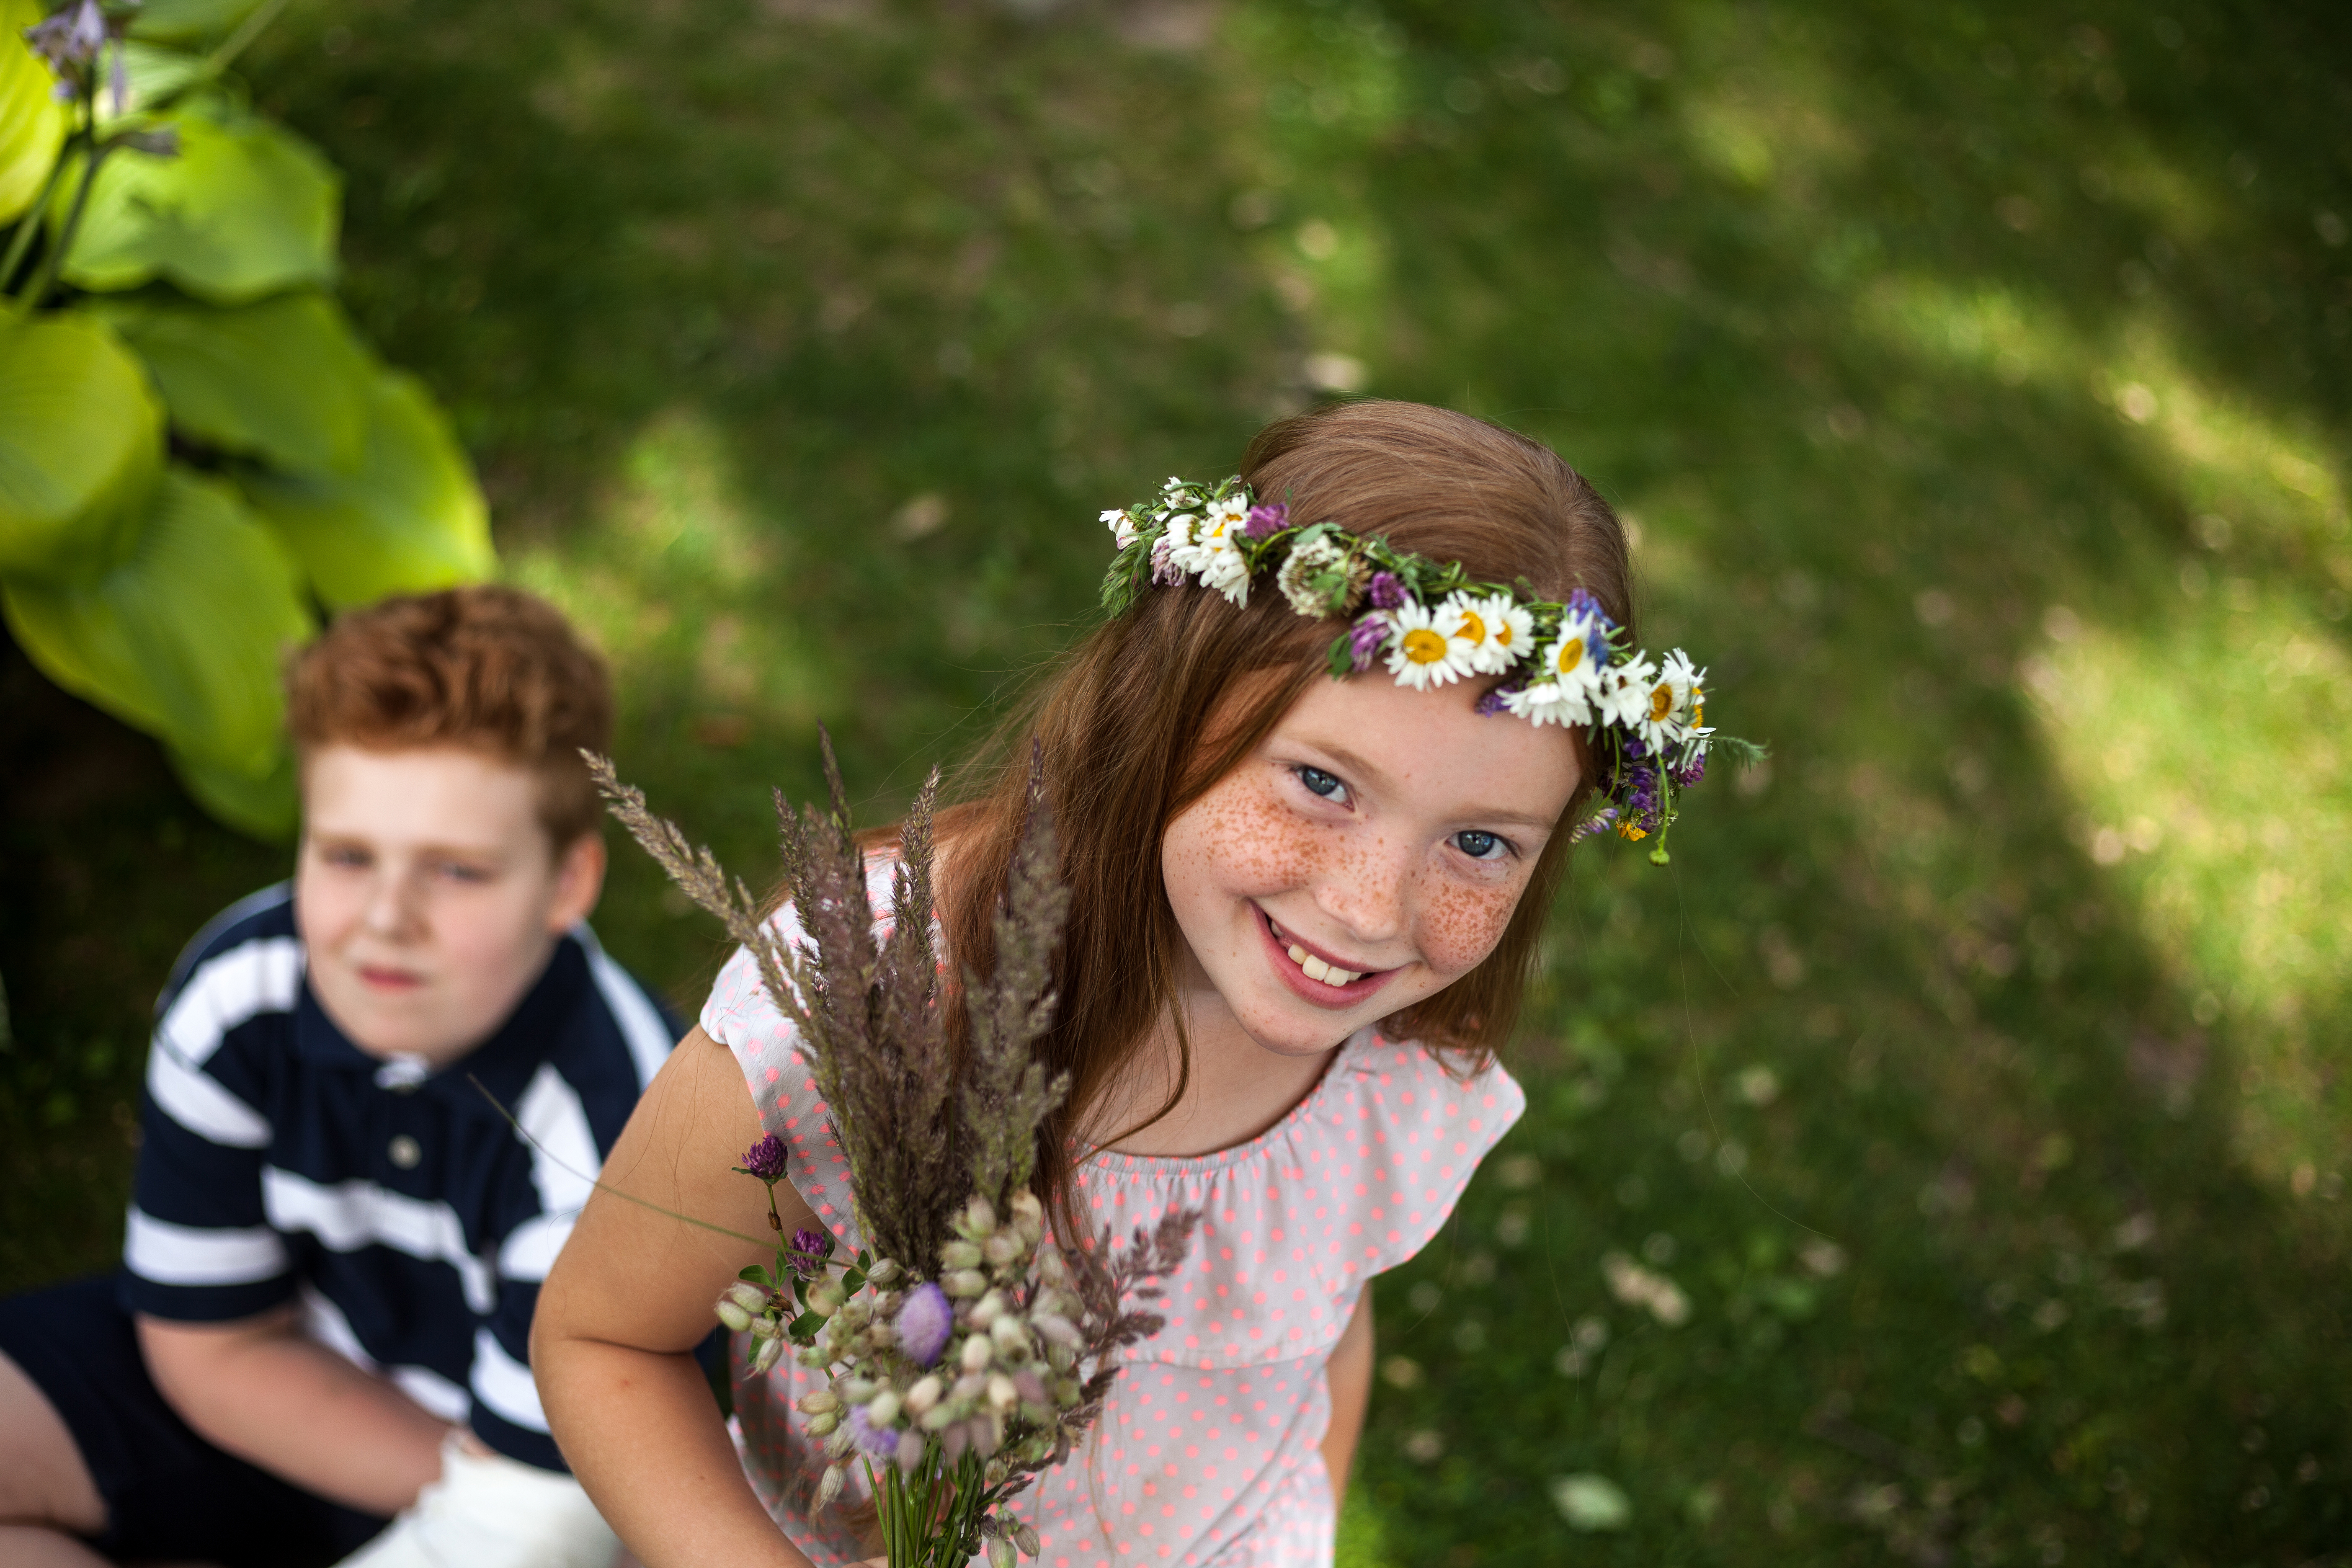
406,1151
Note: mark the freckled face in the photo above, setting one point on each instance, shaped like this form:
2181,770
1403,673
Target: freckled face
1369,853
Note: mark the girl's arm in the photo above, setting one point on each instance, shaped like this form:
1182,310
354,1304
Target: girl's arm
629,1299
1349,1371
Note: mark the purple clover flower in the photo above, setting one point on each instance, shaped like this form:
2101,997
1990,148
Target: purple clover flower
1164,572
1386,590
924,1324
1365,639
808,1252
1265,521
875,1442
765,1159
1690,773
1493,701
70,37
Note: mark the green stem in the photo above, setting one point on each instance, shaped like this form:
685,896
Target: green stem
46,275
21,242
248,30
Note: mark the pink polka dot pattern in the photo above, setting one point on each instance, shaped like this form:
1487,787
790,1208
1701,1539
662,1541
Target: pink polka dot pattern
1208,1455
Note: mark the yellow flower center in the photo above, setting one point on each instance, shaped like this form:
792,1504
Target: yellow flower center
1471,628
1662,703
1502,635
1698,709
1571,654
1422,646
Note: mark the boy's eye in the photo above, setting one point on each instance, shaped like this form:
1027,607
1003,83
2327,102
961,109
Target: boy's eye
1322,783
343,855
459,871
1478,843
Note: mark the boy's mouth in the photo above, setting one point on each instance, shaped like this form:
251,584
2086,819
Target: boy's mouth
1316,975
379,978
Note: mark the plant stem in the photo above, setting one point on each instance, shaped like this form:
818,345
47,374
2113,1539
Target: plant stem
93,154
246,31
30,224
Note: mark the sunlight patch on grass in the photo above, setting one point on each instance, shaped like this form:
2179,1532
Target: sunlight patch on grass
2208,757
1361,1534
680,583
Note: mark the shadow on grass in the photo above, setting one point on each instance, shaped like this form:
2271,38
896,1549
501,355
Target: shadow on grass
1970,1078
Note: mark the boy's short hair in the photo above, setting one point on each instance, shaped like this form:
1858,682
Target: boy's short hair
485,667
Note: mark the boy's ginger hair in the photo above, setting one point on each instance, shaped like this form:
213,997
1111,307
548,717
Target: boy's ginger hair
487,668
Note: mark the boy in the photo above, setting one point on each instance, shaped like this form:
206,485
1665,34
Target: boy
336,1236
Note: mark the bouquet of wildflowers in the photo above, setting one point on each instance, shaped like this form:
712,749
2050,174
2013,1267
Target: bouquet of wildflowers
966,1351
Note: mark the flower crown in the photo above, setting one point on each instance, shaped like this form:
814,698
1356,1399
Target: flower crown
1430,625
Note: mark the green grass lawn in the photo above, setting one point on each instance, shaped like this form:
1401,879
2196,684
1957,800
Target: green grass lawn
1976,379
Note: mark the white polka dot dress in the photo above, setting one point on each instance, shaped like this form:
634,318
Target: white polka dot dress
1208,1453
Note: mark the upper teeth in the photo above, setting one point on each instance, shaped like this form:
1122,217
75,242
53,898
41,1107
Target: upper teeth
1329,974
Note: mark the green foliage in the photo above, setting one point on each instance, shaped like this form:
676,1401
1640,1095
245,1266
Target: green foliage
246,209
82,440
169,270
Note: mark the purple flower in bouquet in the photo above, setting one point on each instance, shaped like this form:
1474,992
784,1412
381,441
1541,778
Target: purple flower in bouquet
1494,702
877,1443
809,1248
1386,590
1365,638
765,1160
1265,521
1164,571
1690,773
925,1322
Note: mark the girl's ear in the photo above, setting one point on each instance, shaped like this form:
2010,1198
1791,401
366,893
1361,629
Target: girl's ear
579,883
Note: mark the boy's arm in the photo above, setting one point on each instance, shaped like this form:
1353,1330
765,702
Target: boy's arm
260,1389
1349,1371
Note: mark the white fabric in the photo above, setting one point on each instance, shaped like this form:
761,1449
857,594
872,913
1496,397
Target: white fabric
200,1254
324,1322
490,1512
347,1215
259,977
195,1100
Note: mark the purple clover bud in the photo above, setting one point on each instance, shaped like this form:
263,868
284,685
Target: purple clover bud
924,1324
875,1442
1493,701
765,1159
808,1252
71,37
1386,590
1366,637
1265,521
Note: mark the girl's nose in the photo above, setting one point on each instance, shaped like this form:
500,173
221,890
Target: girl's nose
1367,892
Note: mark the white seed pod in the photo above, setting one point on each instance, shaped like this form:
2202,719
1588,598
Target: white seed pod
769,1353
810,1356
988,1434
1001,1395
987,1309
954,1440
882,1410
1011,1334
1002,1248
959,1255
910,1450
883,1273
1061,1357
968,1388
977,1351
1031,1386
940,1417
1050,1267
825,1299
979,1218
829,1488
925,1393
1024,1535
822,1425
964,1282
858,1390
1000,1553
734,1317
818,1404
1057,1329
1025,1208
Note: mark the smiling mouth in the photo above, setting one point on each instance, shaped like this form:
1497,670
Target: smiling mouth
1314,965
389,979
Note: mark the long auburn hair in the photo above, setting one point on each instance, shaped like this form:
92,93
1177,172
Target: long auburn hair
1152,708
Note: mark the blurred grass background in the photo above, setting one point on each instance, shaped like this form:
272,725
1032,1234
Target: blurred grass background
1946,1158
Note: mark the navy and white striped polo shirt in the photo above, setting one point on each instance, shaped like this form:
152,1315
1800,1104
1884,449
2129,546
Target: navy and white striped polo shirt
403,1212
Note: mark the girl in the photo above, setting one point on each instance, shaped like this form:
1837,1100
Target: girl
1302,911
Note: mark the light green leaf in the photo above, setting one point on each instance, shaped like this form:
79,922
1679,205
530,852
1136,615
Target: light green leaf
184,638
245,208
189,21
82,440
264,806
286,380
32,124
409,519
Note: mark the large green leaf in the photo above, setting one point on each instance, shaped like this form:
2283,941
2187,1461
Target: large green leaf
263,804
189,21
82,440
32,124
409,519
184,639
246,208
286,380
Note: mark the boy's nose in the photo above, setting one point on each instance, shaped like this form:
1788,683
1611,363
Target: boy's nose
392,906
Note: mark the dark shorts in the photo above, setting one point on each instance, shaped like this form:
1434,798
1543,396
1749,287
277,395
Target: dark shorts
169,1493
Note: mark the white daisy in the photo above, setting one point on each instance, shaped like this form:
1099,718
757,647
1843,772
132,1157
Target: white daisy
1624,695
1549,702
1470,624
1215,554
1672,702
1511,629
1121,526
1420,655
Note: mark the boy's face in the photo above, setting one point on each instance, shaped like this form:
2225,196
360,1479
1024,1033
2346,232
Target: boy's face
428,895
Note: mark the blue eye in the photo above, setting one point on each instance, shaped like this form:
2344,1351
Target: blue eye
1477,843
1322,783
